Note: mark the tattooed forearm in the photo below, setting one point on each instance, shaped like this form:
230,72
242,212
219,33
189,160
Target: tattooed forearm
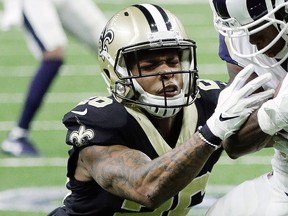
131,174
185,161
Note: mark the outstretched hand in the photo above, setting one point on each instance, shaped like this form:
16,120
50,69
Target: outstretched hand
235,104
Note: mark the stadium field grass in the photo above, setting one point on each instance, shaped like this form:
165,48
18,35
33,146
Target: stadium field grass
78,80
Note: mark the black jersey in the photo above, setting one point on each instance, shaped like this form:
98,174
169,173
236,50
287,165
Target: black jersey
104,121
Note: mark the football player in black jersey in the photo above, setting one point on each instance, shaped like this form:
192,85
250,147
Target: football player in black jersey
149,148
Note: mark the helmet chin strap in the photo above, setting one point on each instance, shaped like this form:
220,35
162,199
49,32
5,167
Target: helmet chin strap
158,110
161,112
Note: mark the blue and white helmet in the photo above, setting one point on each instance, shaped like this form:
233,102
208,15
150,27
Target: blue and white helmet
242,18
146,27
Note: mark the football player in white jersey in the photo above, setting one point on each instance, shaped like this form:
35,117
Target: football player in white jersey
255,31
149,148
44,22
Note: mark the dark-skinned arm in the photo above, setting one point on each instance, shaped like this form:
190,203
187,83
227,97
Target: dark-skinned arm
250,138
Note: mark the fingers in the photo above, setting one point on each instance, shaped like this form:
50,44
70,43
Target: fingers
254,84
242,77
256,100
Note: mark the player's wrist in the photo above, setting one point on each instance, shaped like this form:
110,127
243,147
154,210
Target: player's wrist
208,137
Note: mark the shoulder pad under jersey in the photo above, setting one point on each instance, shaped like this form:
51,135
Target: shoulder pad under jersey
99,111
209,90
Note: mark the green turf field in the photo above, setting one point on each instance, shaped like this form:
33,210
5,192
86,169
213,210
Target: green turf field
34,186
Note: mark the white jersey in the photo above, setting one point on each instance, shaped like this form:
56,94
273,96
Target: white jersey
268,194
46,20
242,45
256,197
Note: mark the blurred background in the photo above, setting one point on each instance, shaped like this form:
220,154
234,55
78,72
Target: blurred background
34,186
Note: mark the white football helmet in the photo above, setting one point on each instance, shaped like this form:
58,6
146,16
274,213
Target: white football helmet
242,18
146,27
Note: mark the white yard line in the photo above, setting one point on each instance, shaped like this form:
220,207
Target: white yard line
92,70
54,97
46,199
246,160
33,162
48,162
67,70
36,125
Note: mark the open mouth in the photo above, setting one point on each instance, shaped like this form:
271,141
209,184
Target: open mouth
169,91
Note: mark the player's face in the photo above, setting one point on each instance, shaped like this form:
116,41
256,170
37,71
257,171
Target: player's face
159,62
262,38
